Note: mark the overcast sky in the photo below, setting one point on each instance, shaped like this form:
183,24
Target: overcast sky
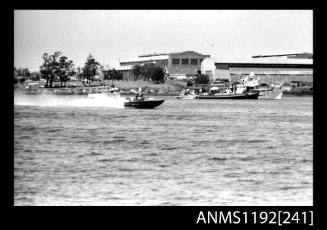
110,35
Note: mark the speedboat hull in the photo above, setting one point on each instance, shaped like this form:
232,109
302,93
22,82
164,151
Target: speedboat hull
146,104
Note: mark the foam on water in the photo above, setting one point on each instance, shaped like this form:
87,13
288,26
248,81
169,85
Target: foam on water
70,101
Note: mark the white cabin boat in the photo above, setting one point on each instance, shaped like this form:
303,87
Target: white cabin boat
187,95
275,94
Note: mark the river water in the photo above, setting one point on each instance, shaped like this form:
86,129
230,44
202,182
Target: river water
80,151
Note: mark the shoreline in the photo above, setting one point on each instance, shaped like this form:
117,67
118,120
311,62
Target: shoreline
165,94
156,90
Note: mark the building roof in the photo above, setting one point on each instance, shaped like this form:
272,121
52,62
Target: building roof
293,55
179,52
150,58
154,54
265,61
157,56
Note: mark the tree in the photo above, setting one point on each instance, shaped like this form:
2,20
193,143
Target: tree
101,72
136,71
79,73
21,74
118,76
56,66
147,70
106,75
15,75
65,69
22,80
202,79
152,72
90,68
49,67
158,74
35,76
113,74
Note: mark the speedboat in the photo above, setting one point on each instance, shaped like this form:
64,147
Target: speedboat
143,104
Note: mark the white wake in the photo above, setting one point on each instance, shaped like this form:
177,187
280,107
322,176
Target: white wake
103,100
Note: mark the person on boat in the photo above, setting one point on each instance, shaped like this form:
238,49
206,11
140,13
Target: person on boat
112,87
251,76
139,97
187,92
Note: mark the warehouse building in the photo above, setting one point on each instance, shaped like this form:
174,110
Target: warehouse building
270,68
178,65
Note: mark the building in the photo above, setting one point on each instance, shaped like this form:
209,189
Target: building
270,68
178,65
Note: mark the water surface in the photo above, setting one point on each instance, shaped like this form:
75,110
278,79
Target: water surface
184,152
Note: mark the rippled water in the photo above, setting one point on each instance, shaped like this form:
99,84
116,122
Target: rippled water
185,152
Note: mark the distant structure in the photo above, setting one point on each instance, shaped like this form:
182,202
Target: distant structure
296,55
178,65
270,68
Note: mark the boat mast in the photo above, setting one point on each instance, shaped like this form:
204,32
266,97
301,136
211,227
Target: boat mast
211,56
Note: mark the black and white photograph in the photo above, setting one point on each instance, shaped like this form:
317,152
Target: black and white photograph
163,107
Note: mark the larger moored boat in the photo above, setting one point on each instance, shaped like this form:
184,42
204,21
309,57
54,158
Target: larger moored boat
246,95
237,90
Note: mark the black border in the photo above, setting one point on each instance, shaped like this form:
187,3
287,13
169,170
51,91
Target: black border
8,95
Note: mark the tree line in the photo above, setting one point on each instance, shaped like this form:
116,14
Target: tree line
20,74
156,74
149,71
57,67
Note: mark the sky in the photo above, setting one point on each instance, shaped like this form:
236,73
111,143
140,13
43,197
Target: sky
113,35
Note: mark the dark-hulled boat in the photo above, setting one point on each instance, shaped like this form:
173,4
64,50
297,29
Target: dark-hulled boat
247,95
143,104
